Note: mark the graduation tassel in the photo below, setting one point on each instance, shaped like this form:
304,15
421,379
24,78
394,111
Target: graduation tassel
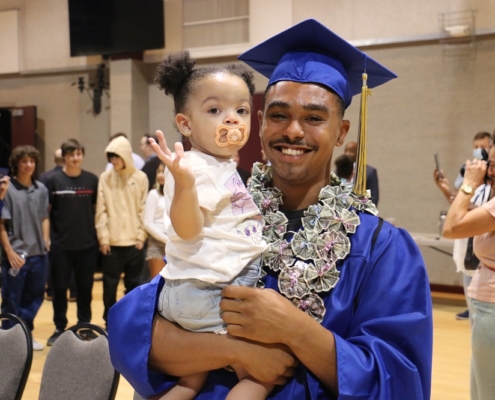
360,173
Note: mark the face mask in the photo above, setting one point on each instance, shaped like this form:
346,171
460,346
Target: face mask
477,153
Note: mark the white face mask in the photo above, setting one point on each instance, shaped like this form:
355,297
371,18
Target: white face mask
477,153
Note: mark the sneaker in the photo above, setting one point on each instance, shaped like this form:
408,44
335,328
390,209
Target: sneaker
463,315
54,337
87,334
37,346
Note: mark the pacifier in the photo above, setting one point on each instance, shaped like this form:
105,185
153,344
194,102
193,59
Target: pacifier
227,135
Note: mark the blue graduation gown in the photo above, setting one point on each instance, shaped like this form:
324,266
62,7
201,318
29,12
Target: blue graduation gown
379,312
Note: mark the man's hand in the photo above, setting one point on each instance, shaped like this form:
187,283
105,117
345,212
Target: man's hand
4,185
105,249
270,363
15,260
47,243
260,315
139,244
177,164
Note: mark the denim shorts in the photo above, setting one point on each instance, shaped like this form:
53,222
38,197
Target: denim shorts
195,304
155,249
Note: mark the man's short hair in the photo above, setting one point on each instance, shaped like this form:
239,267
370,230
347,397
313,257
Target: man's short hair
19,153
482,135
148,136
116,135
70,146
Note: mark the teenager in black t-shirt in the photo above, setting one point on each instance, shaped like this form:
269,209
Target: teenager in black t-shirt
74,245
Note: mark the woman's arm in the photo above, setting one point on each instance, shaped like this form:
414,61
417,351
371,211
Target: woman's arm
460,222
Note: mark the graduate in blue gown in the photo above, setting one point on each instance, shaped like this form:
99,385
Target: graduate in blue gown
345,312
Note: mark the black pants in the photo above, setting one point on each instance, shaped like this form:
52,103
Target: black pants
127,260
49,284
63,263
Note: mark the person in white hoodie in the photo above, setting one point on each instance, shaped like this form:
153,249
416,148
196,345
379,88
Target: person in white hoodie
120,203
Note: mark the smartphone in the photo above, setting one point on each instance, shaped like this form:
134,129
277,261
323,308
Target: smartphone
437,165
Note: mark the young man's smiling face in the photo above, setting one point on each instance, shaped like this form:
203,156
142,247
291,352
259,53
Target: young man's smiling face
74,159
26,166
300,127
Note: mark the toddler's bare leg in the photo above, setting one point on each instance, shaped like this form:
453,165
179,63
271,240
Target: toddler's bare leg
248,388
187,388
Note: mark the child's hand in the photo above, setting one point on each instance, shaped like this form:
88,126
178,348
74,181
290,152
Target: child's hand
177,165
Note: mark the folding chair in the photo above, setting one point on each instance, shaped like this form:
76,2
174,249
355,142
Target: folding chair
16,356
76,368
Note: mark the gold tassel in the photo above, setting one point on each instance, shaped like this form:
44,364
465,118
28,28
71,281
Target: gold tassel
360,172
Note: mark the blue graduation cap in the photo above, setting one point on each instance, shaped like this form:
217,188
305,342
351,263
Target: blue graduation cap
309,52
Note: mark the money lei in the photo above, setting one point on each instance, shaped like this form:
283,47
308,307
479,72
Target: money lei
307,264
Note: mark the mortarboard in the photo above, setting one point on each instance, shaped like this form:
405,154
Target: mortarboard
309,52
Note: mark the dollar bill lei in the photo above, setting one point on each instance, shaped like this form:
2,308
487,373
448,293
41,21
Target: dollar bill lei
307,263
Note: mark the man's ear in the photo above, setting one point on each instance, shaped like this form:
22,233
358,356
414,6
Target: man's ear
260,120
343,130
183,124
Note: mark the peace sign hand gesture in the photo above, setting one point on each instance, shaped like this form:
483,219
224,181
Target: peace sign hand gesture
175,162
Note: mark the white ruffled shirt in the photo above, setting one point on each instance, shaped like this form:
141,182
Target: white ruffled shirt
232,235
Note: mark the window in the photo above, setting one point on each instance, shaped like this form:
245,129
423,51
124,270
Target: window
215,22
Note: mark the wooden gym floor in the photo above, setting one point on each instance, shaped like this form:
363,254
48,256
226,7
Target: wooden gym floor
451,347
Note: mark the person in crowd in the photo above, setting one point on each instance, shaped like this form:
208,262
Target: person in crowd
25,238
152,162
120,203
74,250
4,185
461,222
346,309
59,164
242,172
350,151
344,168
136,158
154,215
215,229
481,141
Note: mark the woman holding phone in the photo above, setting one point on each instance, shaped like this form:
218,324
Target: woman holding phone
480,223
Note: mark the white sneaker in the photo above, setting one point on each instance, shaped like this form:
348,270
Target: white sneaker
37,346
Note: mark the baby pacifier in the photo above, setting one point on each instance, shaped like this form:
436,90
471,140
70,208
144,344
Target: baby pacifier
227,135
